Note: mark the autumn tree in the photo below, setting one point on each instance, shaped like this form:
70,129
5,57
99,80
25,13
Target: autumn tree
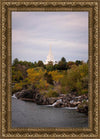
56,76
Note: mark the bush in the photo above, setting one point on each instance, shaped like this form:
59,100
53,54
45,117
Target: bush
48,78
64,90
17,87
84,91
52,93
55,94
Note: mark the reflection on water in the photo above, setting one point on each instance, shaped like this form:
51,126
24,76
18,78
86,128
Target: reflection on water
28,114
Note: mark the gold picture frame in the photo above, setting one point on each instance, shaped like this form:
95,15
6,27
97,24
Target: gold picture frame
92,7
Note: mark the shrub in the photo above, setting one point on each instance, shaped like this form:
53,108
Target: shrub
52,93
17,87
64,90
48,78
84,91
55,94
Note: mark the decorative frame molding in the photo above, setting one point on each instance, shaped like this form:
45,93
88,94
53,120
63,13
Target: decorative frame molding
92,7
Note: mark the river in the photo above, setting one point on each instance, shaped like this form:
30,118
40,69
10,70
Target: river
29,114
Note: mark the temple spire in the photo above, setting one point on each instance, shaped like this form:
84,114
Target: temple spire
50,57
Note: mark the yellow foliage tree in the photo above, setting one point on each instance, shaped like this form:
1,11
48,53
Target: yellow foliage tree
43,84
35,75
56,75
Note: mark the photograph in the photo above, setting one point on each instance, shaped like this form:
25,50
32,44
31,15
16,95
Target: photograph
49,69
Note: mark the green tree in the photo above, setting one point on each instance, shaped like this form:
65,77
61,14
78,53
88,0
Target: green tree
63,59
78,62
55,67
70,64
49,66
35,64
40,63
15,61
76,79
62,65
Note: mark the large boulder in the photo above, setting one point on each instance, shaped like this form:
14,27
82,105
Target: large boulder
24,94
58,105
32,95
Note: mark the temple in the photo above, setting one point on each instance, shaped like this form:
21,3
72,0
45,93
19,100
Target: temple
50,57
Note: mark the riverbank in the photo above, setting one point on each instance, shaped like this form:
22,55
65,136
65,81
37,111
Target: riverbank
63,100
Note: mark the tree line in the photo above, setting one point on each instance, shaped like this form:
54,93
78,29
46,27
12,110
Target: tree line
61,65
51,79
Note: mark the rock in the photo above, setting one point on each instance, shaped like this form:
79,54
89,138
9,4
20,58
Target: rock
52,100
24,94
62,95
32,95
83,107
27,99
69,100
58,105
41,100
76,103
72,105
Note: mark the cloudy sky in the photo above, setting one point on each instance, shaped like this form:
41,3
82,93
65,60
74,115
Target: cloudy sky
34,32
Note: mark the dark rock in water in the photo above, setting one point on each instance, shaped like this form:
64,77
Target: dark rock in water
83,107
25,94
58,105
32,95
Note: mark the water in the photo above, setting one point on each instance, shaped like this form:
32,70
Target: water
29,114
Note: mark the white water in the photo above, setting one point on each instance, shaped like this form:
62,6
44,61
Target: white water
60,100
78,97
70,108
71,101
14,96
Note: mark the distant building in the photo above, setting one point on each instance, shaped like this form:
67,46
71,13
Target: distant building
50,58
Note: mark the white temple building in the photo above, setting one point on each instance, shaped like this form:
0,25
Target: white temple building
50,57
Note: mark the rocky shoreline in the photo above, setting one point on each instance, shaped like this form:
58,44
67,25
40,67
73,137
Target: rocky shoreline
69,100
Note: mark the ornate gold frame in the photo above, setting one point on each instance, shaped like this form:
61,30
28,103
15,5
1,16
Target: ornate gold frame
92,7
